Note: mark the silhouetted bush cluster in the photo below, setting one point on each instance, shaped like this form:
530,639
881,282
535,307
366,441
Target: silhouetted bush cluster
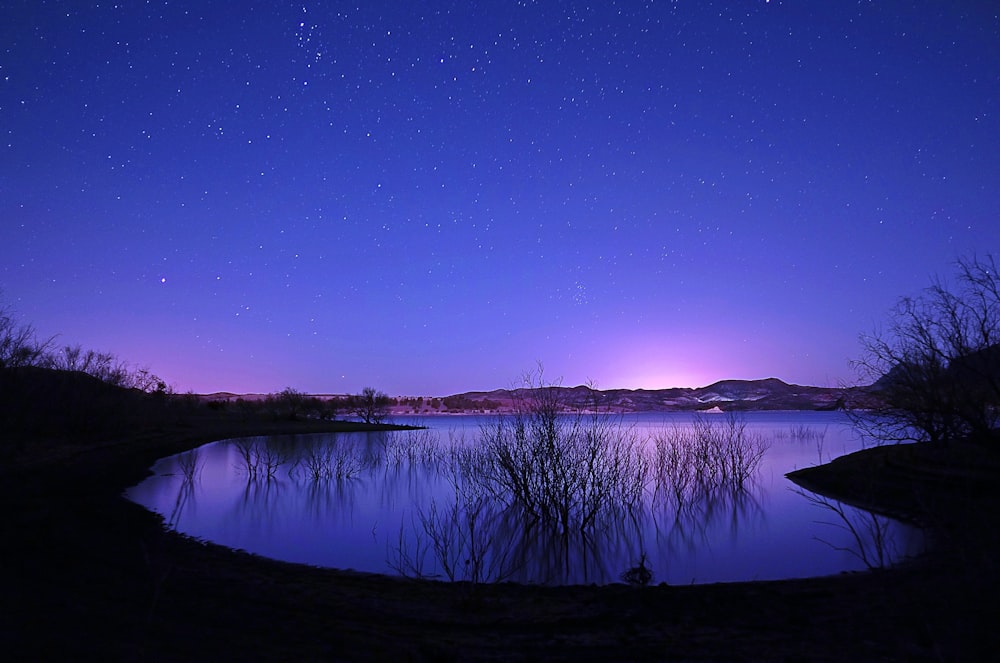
936,364
286,405
69,392
73,393
40,402
460,403
371,405
562,470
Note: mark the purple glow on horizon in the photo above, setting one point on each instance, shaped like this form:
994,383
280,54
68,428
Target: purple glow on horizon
429,199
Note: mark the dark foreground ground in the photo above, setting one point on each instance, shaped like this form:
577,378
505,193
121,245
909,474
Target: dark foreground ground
90,576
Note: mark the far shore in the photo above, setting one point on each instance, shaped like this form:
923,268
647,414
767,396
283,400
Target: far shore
101,578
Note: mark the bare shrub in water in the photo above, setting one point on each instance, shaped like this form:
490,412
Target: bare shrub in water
346,462
542,473
692,463
741,451
316,462
334,460
270,460
806,434
247,450
258,459
414,448
560,469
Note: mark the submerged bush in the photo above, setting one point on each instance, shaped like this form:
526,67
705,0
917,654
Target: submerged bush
696,462
259,458
563,470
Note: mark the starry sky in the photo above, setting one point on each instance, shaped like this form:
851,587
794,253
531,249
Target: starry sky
431,197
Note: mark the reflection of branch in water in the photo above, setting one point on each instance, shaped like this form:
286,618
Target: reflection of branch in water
686,525
702,475
743,506
330,500
470,540
680,531
701,479
547,554
185,497
271,458
260,502
189,465
623,537
874,544
693,463
545,550
190,469
455,532
564,471
405,559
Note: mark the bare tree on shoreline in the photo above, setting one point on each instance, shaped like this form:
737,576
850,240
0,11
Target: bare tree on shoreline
19,344
371,405
936,365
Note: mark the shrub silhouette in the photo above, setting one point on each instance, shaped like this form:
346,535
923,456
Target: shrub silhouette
936,366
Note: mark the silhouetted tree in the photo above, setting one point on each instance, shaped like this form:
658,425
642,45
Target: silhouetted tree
19,345
333,406
371,405
291,402
936,366
247,408
107,368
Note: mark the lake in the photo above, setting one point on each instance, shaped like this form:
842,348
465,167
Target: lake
403,503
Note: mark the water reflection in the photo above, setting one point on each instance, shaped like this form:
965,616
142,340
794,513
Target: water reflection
687,526
417,504
470,539
185,496
874,540
260,506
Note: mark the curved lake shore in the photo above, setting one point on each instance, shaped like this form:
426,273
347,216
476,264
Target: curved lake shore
92,575
373,502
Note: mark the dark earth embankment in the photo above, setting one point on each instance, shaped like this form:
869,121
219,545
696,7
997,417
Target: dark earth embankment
91,576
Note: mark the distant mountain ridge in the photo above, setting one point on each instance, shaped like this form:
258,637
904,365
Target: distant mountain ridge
725,395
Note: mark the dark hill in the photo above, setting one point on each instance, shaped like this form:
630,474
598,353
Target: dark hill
42,402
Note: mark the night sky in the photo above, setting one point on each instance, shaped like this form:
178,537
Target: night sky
429,197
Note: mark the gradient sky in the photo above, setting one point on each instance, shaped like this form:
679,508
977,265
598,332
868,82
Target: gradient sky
429,197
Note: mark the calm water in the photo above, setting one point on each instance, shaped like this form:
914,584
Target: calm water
395,509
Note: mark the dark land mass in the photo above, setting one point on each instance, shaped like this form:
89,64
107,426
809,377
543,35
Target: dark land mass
91,576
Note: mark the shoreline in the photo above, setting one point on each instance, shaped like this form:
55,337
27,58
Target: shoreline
103,574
